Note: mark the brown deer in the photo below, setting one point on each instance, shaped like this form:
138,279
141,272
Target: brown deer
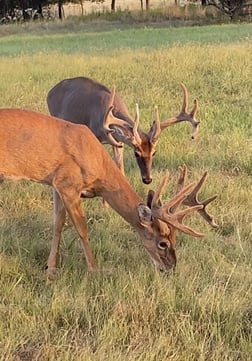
85,101
69,158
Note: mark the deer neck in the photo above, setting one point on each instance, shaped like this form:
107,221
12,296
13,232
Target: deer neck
121,197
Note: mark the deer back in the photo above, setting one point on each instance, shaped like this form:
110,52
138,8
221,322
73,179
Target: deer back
34,146
84,101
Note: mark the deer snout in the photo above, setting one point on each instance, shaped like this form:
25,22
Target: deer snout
168,262
146,180
165,265
168,268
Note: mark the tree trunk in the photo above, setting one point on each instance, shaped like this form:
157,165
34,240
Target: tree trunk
40,12
60,9
147,2
82,7
141,4
113,5
26,16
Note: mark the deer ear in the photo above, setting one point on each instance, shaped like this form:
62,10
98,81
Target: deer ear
119,131
150,197
144,214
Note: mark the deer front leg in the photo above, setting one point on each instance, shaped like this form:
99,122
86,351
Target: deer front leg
59,217
71,201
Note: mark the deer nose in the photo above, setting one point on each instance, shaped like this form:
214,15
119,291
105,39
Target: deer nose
147,180
168,269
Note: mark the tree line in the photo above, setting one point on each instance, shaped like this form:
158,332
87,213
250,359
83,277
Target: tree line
15,10
24,10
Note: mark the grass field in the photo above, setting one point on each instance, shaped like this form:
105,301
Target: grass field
204,311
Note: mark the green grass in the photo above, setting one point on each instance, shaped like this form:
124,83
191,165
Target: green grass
201,313
104,42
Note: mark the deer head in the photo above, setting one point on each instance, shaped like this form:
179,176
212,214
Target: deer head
166,219
85,101
144,144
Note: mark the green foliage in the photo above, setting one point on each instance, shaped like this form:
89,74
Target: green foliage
230,7
128,311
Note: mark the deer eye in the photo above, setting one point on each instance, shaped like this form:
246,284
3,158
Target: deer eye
163,245
153,154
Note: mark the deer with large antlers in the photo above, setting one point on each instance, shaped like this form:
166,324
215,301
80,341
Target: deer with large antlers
69,158
85,101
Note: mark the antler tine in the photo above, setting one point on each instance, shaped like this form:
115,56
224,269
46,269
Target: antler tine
112,96
180,185
110,119
192,112
195,108
112,140
191,200
135,127
162,185
108,130
185,98
194,192
182,177
195,123
184,115
155,129
174,219
178,198
137,116
185,102
167,213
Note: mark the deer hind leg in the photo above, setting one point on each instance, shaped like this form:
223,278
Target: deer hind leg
59,217
73,207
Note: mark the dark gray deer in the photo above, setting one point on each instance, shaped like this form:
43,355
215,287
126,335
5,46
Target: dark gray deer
85,101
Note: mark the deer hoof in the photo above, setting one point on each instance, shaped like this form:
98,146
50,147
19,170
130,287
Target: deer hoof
51,274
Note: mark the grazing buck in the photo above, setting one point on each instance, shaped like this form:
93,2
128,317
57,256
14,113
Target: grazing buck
69,158
85,101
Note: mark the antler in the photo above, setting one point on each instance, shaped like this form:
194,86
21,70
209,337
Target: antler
167,215
124,132
192,198
137,139
184,115
129,134
155,131
110,119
